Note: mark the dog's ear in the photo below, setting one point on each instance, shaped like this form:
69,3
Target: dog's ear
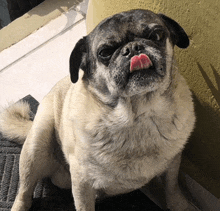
77,59
178,35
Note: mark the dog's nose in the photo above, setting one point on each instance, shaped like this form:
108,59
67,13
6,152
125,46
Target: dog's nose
132,49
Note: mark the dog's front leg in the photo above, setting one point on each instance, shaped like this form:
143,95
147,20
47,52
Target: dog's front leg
35,164
174,198
83,193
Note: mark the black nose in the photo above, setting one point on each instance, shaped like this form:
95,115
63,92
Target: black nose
132,49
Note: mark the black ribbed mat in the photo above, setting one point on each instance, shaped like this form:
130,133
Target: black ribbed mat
48,197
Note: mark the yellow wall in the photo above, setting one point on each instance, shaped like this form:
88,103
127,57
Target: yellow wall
199,64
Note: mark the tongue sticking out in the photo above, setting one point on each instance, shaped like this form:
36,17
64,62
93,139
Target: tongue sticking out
139,62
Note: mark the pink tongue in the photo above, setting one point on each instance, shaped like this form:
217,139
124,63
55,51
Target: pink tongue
139,62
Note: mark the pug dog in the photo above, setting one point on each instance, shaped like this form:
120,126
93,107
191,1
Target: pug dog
121,119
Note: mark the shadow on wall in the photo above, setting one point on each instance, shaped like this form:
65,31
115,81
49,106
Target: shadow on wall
203,149
54,5
13,9
4,14
18,8
215,92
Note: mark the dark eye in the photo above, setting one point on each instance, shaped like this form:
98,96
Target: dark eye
157,35
106,53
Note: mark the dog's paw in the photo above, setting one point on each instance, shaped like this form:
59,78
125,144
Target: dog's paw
180,203
191,207
21,206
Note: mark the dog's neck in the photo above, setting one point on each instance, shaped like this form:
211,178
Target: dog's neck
125,110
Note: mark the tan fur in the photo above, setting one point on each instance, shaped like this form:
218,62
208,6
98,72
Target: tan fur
15,122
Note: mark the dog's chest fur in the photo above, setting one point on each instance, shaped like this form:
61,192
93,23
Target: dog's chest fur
123,148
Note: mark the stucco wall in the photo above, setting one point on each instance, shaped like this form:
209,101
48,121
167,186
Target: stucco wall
199,64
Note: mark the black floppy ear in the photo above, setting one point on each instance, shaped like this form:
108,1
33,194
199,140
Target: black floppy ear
178,35
76,59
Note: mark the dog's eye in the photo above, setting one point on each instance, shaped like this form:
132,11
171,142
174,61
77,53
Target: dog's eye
106,53
157,35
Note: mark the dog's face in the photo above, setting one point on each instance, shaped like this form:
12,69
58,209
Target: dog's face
128,54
